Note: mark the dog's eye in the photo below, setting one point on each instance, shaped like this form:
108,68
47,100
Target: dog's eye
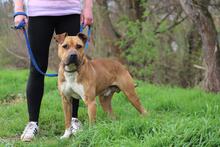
65,46
78,46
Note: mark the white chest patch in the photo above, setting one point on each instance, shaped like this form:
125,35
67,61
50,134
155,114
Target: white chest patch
71,88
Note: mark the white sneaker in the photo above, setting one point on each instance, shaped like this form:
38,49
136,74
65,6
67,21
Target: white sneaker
75,127
30,131
66,134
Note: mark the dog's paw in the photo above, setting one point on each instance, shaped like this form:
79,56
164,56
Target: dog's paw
145,113
66,134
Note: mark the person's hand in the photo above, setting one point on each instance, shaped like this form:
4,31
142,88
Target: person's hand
87,16
19,18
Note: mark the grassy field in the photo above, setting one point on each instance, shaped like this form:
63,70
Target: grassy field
177,117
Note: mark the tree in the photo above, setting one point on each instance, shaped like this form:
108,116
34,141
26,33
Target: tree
198,11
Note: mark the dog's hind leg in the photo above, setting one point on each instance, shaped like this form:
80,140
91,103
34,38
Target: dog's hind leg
67,107
106,104
133,98
127,86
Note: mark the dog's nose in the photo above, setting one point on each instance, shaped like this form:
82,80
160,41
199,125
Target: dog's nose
72,58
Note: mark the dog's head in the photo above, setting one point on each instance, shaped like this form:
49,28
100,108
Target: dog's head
71,50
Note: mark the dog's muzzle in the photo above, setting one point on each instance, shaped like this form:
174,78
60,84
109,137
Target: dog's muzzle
72,59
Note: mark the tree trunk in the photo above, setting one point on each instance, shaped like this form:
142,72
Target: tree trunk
105,35
107,15
197,10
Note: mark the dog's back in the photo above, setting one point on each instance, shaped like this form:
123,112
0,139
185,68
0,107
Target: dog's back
110,65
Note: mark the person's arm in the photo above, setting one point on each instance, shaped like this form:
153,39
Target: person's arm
19,7
87,15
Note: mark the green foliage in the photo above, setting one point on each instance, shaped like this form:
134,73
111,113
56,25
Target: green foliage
177,117
141,51
148,47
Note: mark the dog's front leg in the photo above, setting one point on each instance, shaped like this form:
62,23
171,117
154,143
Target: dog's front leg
91,105
67,107
92,111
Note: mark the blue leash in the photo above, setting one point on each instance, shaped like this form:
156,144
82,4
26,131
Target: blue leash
21,26
88,35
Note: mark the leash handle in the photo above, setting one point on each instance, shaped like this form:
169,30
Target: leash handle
82,27
22,24
19,13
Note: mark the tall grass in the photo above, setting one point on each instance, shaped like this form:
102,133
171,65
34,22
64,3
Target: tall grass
177,117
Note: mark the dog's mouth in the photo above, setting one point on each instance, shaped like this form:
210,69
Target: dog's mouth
72,59
71,63
70,68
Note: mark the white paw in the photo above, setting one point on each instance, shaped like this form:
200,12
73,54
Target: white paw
66,134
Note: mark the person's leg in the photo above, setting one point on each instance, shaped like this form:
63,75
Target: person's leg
40,31
71,25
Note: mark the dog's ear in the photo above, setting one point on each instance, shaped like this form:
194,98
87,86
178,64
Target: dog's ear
83,37
60,37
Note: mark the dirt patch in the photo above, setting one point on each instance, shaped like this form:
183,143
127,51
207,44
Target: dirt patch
13,99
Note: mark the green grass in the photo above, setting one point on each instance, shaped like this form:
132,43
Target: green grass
177,117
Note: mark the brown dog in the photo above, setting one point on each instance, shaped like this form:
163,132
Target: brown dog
86,79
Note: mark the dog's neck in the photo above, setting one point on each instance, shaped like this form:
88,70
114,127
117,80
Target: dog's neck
70,75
